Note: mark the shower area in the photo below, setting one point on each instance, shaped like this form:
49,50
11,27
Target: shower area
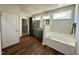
59,33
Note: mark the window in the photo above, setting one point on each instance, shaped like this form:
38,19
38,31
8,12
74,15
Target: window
63,15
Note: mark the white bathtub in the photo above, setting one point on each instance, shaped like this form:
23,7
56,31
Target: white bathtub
61,42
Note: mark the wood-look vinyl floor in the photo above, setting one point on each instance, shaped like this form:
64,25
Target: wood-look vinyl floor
30,45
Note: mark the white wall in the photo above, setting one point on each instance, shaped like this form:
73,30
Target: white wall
77,28
62,26
14,9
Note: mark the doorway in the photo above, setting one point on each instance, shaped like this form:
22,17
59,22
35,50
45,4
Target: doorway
24,27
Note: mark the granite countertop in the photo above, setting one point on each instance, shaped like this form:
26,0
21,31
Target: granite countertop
38,28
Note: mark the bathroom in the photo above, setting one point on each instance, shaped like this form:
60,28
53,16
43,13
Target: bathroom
58,28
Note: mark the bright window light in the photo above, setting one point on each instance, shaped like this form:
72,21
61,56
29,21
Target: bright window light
62,15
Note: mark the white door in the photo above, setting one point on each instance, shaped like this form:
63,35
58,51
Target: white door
11,30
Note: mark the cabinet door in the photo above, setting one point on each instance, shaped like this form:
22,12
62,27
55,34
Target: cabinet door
40,34
10,24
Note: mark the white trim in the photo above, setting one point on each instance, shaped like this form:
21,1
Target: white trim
77,28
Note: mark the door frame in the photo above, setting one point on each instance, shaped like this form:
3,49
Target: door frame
28,25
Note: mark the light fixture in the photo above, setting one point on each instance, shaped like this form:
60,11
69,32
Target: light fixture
37,18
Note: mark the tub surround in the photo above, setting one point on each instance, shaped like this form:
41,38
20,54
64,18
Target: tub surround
61,42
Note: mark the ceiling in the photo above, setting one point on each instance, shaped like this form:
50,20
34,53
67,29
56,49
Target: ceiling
32,9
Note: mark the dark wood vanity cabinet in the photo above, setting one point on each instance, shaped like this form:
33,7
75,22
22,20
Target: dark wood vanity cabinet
35,29
37,32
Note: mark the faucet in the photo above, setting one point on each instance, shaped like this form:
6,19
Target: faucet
73,28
